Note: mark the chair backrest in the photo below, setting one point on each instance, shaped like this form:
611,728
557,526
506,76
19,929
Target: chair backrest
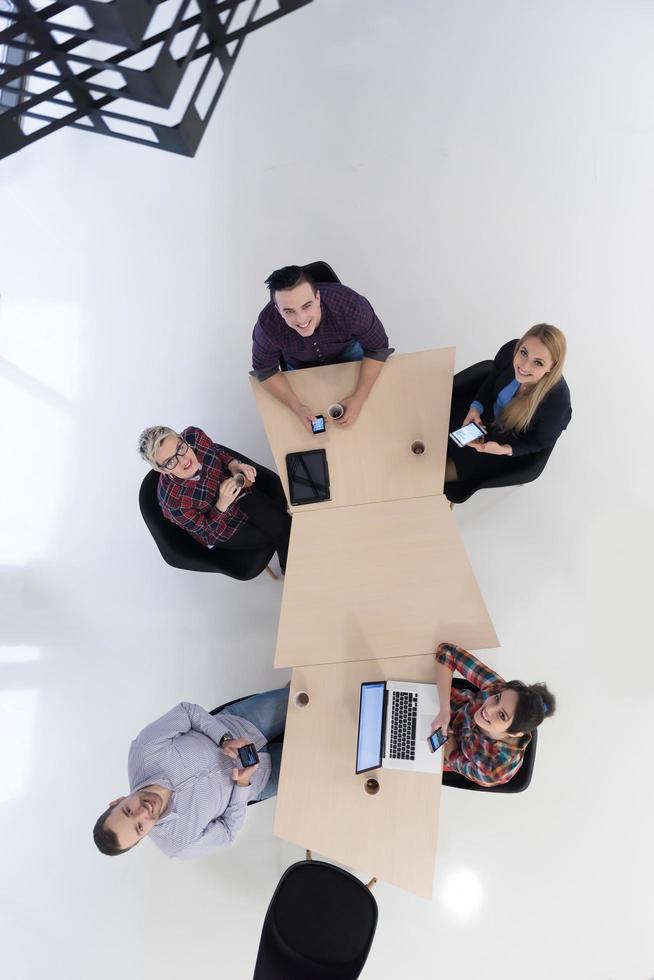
517,784
321,922
321,272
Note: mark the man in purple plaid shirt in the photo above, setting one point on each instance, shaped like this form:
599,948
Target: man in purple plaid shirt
309,324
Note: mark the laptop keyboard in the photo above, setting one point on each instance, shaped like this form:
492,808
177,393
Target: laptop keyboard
404,708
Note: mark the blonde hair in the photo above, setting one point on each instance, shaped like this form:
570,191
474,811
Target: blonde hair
150,441
518,414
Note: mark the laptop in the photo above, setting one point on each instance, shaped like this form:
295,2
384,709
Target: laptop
394,723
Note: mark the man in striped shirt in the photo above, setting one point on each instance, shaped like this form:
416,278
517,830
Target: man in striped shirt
187,790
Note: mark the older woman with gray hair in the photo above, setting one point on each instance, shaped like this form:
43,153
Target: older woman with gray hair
220,501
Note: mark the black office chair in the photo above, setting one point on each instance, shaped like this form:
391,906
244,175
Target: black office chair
320,925
517,784
525,469
321,272
180,550
221,707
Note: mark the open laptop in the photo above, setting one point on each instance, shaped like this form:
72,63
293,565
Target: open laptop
394,723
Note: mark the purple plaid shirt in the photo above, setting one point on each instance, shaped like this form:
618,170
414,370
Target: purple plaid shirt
192,503
345,317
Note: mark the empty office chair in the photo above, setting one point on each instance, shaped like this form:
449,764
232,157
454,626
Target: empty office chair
180,550
221,707
321,272
525,469
320,925
521,779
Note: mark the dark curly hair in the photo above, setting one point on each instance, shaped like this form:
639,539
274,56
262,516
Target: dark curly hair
288,278
106,840
535,702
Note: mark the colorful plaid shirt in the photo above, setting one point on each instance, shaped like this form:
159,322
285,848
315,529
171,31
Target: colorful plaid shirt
484,760
345,316
192,503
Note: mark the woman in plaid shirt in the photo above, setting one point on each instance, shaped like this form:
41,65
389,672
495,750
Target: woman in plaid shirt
487,730
220,501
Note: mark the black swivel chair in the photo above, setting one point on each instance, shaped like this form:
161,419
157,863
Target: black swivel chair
320,925
180,550
523,470
517,784
321,272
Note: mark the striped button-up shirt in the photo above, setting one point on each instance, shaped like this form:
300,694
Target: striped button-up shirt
485,760
180,752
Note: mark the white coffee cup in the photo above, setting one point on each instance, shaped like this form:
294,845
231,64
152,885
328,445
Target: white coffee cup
336,411
301,699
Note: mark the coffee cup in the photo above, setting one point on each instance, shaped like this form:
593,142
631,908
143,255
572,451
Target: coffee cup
336,411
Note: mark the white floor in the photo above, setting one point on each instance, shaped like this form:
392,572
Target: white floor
472,168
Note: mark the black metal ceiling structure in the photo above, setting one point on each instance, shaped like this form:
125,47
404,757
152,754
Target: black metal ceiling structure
148,71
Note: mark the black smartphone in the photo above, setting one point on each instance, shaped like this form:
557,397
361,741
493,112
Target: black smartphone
435,740
318,424
248,755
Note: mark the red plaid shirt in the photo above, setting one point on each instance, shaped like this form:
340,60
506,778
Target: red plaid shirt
484,760
192,503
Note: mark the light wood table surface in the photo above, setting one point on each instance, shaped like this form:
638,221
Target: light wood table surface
390,579
322,804
372,460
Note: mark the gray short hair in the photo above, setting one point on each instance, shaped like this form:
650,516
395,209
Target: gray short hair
150,440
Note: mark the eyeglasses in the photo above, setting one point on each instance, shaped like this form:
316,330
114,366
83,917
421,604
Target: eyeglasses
172,461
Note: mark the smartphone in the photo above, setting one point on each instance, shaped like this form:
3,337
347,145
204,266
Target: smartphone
467,434
318,424
436,740
248,755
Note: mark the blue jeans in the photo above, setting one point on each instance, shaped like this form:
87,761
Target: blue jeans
353,352
267,712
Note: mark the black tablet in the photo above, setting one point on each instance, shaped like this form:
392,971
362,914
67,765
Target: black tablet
308,476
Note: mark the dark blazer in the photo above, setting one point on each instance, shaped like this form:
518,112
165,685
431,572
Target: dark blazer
551,418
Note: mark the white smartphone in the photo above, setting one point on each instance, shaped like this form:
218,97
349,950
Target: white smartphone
467,434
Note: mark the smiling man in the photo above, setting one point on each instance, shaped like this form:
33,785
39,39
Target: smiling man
187,789
310,324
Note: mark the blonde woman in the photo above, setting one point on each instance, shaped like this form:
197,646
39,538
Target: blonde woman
524,406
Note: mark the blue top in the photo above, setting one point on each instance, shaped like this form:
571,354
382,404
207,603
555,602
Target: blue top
503,398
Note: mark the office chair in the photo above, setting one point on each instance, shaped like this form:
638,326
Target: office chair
320,923
524,469
321,272
180,550
517,784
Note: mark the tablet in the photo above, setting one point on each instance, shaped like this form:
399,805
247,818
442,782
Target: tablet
308,476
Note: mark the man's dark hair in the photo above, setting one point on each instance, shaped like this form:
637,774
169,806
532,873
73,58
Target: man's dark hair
288,278
106,840
535,702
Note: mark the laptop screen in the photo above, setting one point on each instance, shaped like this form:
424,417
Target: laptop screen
371,726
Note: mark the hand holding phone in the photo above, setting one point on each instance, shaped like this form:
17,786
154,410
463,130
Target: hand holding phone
248,755
318,424
468,433
436,739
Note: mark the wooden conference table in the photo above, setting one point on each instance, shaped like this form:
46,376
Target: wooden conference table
376,577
